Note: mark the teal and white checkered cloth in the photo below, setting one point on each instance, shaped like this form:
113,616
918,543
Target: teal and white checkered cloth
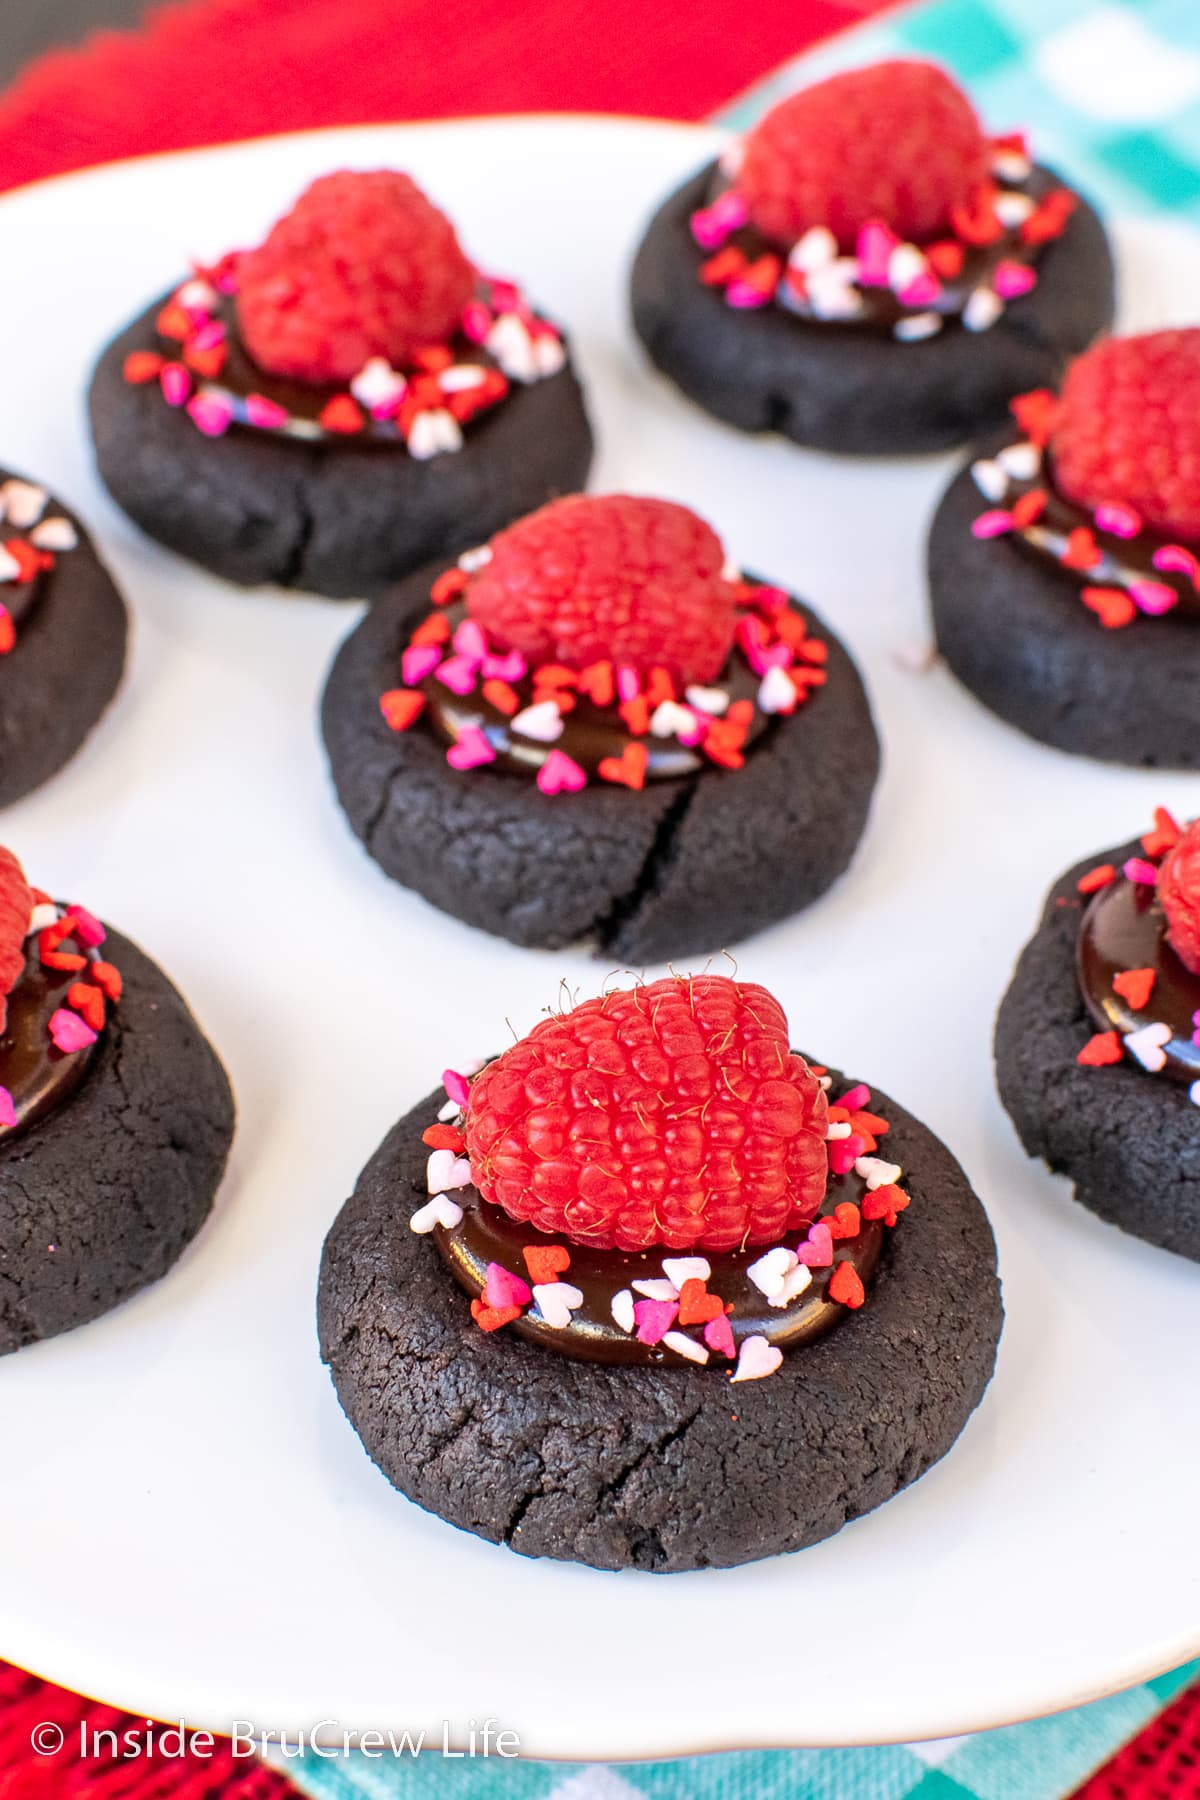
1111,93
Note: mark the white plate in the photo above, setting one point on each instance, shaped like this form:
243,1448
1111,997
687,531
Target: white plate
190,1526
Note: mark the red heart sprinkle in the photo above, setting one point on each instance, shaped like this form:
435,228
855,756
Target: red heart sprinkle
1135,985
696,1305
401,707
846,1286
433,630
546,1262
846,1221
88,1001
108,979
636,714
598,681
491,1318
499,694
629,768
448,586
1112,606
1082,550
443,1137
16,904
1096,878
342,415
885,1203
1100,1050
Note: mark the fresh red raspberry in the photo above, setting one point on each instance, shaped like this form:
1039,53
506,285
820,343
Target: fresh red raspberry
897,142
671,1114
1179,891
16,904
1128,429
609,578
363,265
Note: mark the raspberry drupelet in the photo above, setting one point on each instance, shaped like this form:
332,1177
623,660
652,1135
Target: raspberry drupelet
16,904
1179,892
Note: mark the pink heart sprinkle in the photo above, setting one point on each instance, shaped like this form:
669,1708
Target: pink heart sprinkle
1118,520
770,656
69,1031
1013,279
921,292
456,1086
718,1335
470,641
471,751
873,249
512,667
418,661
476,321
745,296
503,1288
86,926
1153,597
855,1098
264,414
210,413
654,1319
1143,873
1173,559
993,523
208,336
629,684
560,774
817,1250
844,1153
695,732
458,674
505,296
8,1112
175,382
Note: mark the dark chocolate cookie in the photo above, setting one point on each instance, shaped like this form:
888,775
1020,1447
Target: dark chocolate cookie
101,1197
65,665
653,1468
683,866
1129,1141
838,387
337,517
1015,632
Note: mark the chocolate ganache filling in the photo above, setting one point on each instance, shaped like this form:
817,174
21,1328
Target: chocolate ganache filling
1124,929
38,1075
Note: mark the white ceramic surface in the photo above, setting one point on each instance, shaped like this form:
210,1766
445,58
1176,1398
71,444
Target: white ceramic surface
189,1524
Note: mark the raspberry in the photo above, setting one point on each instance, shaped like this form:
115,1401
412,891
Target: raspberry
1128,429
16,904
363,265
1179,891
671,1114
612,578
897,142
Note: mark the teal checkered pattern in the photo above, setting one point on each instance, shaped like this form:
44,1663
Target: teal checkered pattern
1111,93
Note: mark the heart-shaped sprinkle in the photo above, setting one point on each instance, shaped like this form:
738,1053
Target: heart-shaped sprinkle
69,1032
696,1305
679,1269
502,696
990,479
1011,279
777,692
991,524
342,415
85,926
175,382
718,1334
817,247
1021,461
512,667
982,309
457,1087
1101,1050
669,719
445,1170
560,774
1194,1093
8,1112
108,979
491,1318
906,264
1081,550
846,1221
545,1262
844,1153
1118,520
471,750
440,1210
922,292
1153,597
556,1301
711,700
654,1319
542,722
817,1249
628,769
756,1358
599,682
54,534
470,640
88,1001
622,1310
886,1203
794,1284
401,707
846,1286
655,1289
685,1346
1143,873
1135,986
264,414
1173,559
1147,1044
769,1272
458,674
875,1172
502,1288
210,413
22,503
874,247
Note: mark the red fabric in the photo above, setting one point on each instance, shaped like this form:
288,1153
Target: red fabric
205,71
1161,1763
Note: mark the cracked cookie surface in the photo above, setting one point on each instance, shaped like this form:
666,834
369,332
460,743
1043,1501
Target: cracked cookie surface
101,1197
680,867
655,1469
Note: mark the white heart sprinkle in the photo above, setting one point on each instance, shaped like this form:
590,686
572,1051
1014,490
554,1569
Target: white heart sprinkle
556,1301
904,265
794,1284
830,293
1147,1045
815,250
10,568
431,432
1194,1093
441,1210
449,1109
377,383
982,309
877,1173
1011,165
656,1290
990,478
622,1310
732,157
669,718
917,325
54,534
679,1269
776,691
543,722
512,347
771,1271
756,1358
470,560
685,1346
460,377
1022,461
197,295
838,1131
1013,209
445,1170
23,504
730,570
44,914
549,354
713,701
